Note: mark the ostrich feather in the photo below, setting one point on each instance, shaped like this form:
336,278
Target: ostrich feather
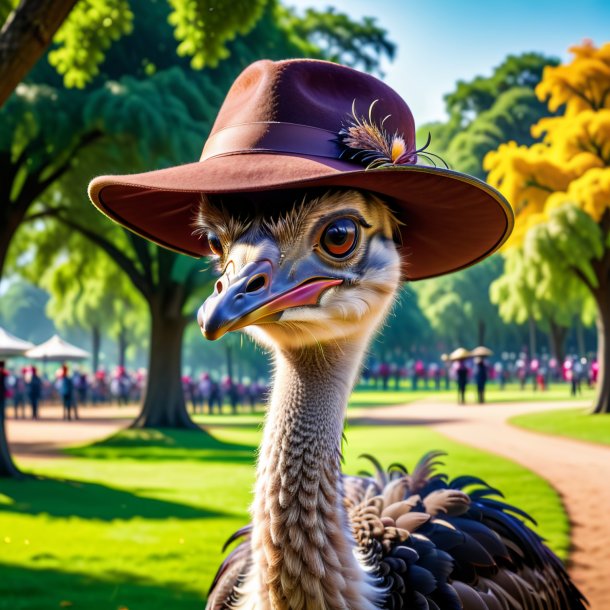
372,145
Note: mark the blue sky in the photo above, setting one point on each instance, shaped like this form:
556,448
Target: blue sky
442,41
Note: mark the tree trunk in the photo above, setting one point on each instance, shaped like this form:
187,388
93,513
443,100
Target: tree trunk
580,337
557,336
532,331
7,466
122,340
602,398
25,36
96,341
164,405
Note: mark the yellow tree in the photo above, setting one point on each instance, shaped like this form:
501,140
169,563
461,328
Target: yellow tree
560,186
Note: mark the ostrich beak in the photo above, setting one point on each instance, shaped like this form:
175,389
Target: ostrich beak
255,296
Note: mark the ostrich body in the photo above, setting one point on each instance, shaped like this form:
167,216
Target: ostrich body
312,281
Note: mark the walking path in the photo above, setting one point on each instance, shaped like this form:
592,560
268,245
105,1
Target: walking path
579,471
45,437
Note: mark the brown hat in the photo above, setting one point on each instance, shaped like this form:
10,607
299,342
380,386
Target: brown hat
301,124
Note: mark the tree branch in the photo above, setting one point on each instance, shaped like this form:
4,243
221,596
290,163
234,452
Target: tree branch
50,212
24,38
115,253
33,186
143,254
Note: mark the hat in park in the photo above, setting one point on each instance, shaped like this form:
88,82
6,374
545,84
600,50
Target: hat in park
305,124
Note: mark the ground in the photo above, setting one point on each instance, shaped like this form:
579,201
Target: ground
137,522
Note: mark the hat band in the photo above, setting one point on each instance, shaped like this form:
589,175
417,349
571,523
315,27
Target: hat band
274,137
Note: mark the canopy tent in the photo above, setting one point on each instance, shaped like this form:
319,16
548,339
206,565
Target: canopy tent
56,350
12,346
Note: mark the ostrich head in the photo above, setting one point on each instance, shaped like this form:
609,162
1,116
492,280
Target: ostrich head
313,270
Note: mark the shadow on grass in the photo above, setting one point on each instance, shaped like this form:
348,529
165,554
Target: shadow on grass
65,498
166,444
32,589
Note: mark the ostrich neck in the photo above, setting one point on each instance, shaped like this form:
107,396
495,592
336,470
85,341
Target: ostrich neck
303,544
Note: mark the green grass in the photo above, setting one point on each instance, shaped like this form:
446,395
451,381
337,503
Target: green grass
138,521
574,423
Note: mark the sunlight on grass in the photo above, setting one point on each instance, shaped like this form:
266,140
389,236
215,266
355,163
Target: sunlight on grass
104,528
574,423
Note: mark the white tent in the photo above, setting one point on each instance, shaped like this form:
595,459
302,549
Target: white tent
56,350
11,345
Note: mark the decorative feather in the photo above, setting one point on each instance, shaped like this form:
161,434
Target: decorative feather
373,146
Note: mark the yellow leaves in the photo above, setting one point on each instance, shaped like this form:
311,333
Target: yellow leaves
580,85
590,192
526,175
586,135
571,165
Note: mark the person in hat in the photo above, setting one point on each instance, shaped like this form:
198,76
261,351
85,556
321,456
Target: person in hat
481,374
315,202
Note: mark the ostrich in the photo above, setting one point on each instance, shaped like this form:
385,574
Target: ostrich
312,197
312,282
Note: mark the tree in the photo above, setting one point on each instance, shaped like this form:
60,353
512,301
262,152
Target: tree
487,111
524,293
85,31
88,291
457,306
560,187
25,36
181,106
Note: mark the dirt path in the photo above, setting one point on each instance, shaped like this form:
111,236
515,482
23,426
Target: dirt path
45,437
579,471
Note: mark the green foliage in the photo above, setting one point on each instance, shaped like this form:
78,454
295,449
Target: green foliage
509,118
471,98
6,7
406,330
22,311
457,306
340,39
488,111
527,290
205,26
569,242
91,27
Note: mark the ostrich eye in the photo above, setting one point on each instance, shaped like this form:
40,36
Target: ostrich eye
214,243
340,237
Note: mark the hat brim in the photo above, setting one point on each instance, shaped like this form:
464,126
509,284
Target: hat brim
450,220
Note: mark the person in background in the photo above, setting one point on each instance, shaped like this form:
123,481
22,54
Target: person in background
481,375
34,390
66,391
462,380
81,385
19,390
577,371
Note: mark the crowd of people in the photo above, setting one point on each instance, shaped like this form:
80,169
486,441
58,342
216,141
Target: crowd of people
537,373
25,389
211,393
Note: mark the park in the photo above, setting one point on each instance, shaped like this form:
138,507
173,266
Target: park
354,354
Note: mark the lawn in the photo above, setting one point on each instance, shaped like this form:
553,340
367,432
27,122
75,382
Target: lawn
574,423
137,522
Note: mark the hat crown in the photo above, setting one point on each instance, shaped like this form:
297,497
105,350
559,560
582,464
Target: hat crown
315,93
